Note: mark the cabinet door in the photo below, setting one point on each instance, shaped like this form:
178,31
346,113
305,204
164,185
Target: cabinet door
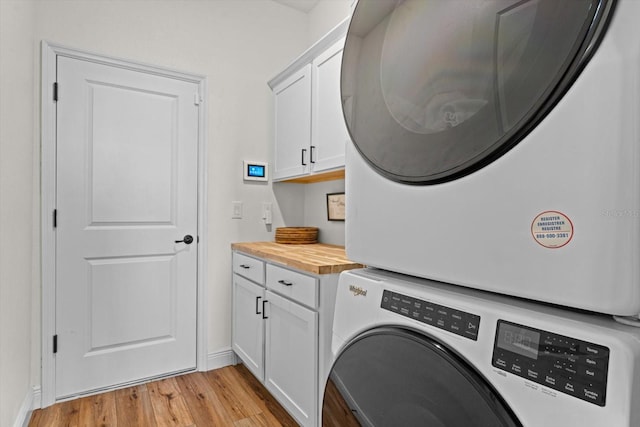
329,131
293,125
248,325
291,357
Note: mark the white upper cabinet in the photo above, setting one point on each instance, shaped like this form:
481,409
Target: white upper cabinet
293,124
310,132
329,133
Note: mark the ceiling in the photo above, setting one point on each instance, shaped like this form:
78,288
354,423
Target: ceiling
301,5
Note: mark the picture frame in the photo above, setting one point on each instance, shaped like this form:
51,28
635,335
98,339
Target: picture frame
335,206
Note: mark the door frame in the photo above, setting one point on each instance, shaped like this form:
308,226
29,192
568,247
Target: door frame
49,52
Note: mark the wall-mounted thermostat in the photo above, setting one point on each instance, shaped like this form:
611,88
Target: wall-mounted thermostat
255,171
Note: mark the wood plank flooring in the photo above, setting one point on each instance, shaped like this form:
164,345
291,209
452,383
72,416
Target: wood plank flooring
230,396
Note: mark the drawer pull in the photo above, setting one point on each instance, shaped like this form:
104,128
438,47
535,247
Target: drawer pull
263,310
258,305
245,266
282,282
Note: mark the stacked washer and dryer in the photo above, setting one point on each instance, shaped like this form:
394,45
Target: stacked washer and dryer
493,187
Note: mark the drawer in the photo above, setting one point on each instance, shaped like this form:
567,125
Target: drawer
251,268
296,286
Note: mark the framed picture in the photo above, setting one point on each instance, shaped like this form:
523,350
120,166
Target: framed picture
335,207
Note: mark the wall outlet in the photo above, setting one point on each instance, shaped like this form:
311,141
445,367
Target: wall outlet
267,213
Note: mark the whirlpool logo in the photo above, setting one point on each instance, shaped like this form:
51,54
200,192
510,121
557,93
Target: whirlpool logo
357,291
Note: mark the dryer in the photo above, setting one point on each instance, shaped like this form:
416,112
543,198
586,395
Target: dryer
412,352
496,145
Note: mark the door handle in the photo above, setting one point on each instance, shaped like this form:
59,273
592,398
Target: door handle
263,310
258,305
304,150
188,239
311,154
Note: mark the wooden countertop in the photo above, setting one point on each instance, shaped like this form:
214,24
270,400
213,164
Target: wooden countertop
317,258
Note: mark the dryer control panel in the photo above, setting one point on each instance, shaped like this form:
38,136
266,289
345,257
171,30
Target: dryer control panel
568,365
442,317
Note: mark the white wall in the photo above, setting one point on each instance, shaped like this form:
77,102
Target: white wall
307,206
17,52
315,211
326,15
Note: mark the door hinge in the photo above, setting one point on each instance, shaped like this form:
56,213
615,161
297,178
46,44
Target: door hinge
55,343
196,99
55,218
55,91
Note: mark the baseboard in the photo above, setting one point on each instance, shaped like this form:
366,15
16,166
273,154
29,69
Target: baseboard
37,398
220,359
31,401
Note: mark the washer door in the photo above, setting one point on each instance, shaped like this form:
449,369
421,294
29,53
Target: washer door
397,377
433,90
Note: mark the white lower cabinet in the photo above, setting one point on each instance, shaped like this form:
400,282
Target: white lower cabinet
291,362
248,326
281,330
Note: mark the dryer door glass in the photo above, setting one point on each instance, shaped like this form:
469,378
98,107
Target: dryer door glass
435,89
396,377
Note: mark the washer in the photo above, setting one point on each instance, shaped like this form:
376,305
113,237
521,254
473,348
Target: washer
496,145
412,352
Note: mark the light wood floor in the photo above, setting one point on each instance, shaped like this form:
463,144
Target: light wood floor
229,396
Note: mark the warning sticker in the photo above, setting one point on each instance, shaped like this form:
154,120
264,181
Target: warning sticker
552,229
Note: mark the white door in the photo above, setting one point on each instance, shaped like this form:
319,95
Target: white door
127,147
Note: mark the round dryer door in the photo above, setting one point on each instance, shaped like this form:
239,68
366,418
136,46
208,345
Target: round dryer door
433,90
396,377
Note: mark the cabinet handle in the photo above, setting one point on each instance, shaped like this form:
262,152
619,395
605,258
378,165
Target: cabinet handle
304,150
258,305
311,154
263,310
246,267
282,282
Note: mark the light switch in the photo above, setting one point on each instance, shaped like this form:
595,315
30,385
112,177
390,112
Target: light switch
237,210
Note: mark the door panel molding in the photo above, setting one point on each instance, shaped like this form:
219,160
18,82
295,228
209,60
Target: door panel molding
49,54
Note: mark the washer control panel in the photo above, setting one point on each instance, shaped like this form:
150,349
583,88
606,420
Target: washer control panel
446,318
568,365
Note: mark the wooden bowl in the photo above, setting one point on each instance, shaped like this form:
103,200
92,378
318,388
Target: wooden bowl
297,235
